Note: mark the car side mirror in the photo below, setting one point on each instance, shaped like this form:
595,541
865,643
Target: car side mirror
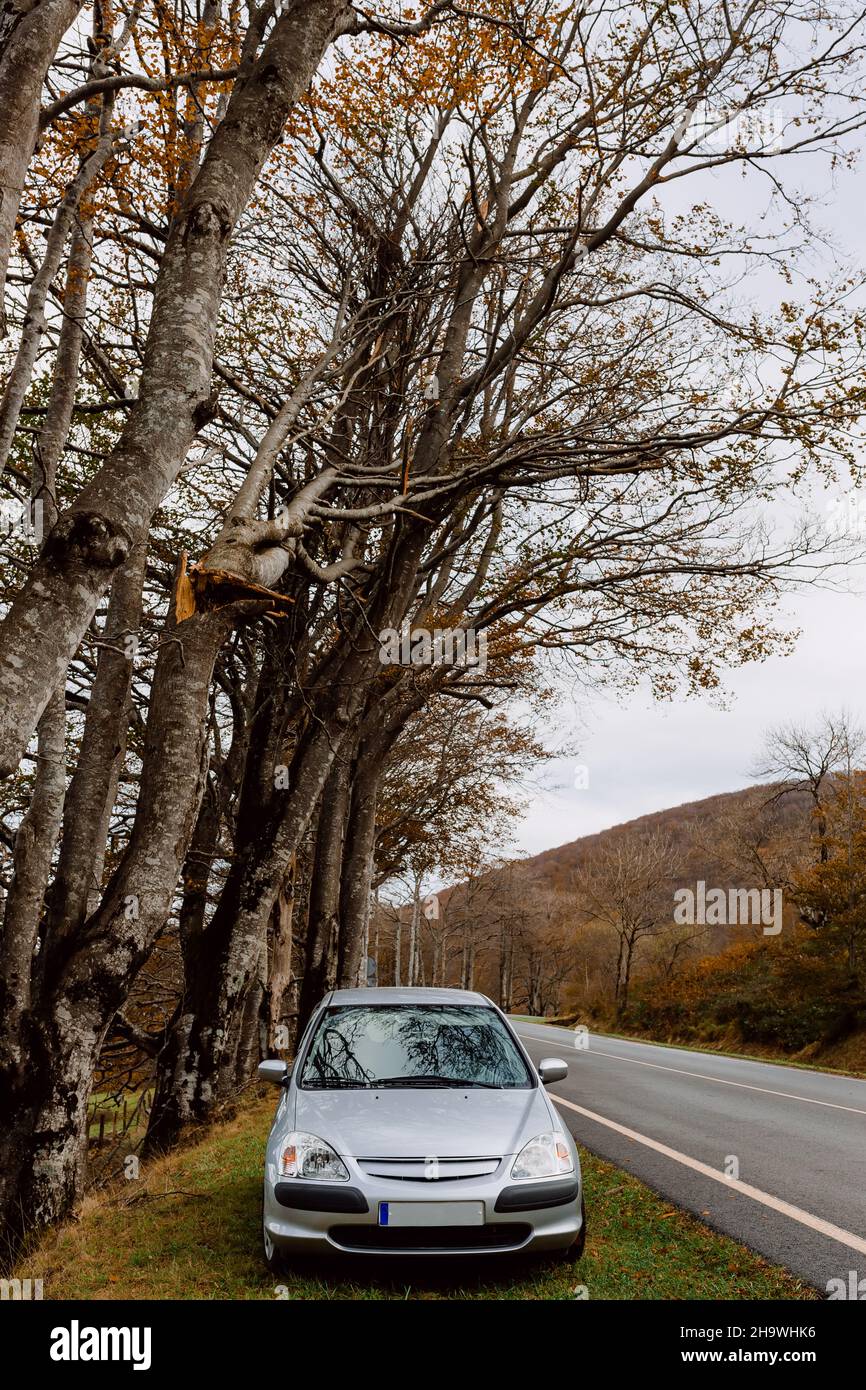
275,1071
552,1069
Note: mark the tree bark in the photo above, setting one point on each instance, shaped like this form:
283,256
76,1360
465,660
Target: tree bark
323,917
252,1035
262,859
414,923
271,822
357,876
254,752
34,318
37,834
85,977
191,926
467,976
275,1005
94,536
31,863
93,789
30,35
506,969
217,993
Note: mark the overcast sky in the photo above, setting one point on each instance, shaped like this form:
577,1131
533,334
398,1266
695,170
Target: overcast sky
643,756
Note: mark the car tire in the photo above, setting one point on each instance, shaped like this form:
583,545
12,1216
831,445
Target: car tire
273,1256
574,1252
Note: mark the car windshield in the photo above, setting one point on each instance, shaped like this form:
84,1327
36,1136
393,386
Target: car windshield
412,1045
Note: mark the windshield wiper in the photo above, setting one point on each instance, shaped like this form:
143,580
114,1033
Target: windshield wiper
453,1081
334,1083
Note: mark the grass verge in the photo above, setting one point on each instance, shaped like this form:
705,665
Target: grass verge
849,1055
188,1228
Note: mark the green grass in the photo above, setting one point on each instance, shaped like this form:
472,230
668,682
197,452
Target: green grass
189,1229
104,1103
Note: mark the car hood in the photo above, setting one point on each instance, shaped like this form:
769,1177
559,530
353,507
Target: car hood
419,1123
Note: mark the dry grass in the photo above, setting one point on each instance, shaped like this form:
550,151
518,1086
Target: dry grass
188,1228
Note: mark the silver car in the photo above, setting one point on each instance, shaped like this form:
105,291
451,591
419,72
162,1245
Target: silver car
413,1122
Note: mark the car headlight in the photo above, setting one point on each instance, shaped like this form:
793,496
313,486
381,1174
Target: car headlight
307,1156
545,1156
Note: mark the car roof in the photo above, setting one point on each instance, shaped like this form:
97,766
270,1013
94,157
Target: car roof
394,994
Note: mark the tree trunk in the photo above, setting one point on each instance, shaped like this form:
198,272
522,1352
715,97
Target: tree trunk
217,992
357,877
436,971
31,863
414,924
43,1137
37,834
323,917
468,972
93,789
275,1006
30,36
191,919
252,1036
85,978
262,859
48,619
626,975
268,837
617,991
19,379
506,969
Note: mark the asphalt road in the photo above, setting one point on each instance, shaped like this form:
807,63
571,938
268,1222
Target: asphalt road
798,1196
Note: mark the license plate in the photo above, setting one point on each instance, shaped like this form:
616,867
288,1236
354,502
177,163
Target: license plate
431,1213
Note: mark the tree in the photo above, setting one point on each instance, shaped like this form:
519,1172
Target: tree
436,354
628,886
831,893
807,760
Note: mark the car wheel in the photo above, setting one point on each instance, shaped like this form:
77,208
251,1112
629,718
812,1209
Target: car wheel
274,1257
572,1253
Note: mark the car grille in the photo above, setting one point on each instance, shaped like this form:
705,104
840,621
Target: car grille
421,1170
423,1239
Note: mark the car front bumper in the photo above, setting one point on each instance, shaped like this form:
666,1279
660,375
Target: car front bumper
317,1217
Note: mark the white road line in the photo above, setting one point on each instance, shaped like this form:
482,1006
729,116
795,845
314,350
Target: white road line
721,1081
805,1218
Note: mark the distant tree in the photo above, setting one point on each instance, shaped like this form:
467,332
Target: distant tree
800,758
627,886
831,893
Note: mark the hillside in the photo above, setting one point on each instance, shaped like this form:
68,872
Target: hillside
690,826
549,932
